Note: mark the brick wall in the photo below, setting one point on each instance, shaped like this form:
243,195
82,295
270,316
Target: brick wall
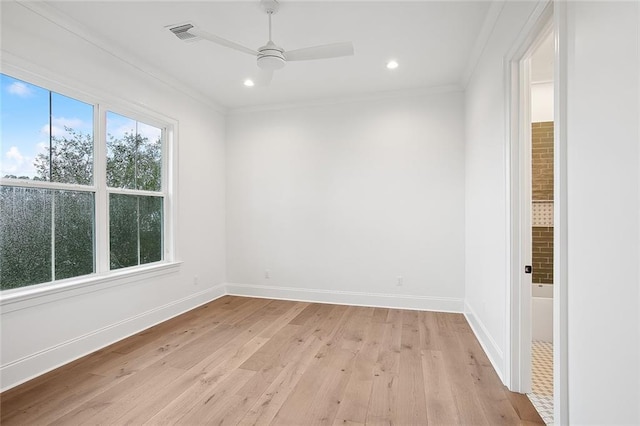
542,252
542,190
542,160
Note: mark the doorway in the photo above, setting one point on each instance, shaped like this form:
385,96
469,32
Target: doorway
541,89
537,223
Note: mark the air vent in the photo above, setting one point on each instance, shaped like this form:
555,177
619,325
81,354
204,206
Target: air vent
182,32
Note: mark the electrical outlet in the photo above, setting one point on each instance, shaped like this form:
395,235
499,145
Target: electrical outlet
267,274
399,281
196,280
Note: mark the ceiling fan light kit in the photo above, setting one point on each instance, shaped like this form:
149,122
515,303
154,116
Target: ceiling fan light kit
270,57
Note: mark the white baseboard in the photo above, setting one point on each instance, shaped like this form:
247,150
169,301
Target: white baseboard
489,345
33,365
396,301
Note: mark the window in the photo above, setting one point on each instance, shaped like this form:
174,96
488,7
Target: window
76,201
134,179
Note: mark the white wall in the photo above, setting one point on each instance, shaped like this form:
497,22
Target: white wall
603,174
541,102
44,332
486,245
339,200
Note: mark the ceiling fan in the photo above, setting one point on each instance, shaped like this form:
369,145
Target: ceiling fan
270,57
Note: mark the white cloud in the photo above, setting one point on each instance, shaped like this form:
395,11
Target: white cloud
144,130
15,163
58,125
19,88
42,147
153,133
55,130
74,123
15,155
119,132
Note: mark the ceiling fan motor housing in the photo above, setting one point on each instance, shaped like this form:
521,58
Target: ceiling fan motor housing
271,57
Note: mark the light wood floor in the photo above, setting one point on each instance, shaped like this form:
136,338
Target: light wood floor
258,361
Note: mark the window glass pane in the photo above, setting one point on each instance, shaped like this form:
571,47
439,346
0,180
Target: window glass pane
123,230
150,229
135,230
24,113
72,141
45,135
74,213
134,154
25,236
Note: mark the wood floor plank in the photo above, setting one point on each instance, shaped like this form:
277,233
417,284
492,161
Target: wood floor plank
355,402
316,397
108,406
306,314
411,403
522,405
270,401
441,408
265,357
217,368
326,377
249,361
384,392
215,402
466,400
44,392
160,398
496,406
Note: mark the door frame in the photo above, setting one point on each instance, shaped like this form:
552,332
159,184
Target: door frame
548,15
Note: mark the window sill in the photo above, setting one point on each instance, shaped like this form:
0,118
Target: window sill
22,298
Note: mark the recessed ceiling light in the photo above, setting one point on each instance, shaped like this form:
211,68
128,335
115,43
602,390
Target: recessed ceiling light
249,83
392,65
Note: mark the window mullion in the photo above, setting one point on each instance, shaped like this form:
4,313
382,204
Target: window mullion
53,234
102,196
138,227
167,190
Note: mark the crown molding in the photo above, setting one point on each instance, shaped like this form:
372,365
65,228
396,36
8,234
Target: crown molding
369,97
490,20
52,14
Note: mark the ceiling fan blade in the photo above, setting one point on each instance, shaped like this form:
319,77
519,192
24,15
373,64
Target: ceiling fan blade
222,41
334,50
264,78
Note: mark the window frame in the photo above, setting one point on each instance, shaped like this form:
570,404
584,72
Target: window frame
167,134
103,275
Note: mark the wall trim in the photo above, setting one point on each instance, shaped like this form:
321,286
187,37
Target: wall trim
490,347
561,256
31,366
54,15
490,20
352,298
39,294
370,97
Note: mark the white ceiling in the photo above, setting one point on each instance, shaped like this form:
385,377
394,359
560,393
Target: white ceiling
433,41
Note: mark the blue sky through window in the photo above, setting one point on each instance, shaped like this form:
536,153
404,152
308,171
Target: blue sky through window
118,125
25,116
